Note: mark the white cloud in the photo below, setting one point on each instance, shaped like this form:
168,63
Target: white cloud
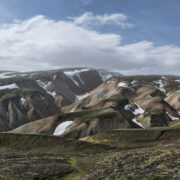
89,19
40,43
86,2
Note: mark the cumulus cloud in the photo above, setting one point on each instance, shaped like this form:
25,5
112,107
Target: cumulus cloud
89,19
40,43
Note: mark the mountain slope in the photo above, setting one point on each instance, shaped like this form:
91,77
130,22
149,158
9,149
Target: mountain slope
119,102
25,97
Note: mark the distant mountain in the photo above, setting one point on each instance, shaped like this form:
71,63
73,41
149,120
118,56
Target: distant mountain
118,102
29,96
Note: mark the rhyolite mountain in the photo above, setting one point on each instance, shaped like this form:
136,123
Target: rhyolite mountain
30,96
114,102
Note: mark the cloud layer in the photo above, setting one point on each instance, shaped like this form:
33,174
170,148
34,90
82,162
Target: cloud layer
112,19
40,43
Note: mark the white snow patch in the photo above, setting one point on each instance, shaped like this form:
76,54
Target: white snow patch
79,97
162,90
60,129
76,73
10,86
133,82
139,110
163,77
75,82
138,123
177,80
33,74
160,86
128,107
55,77
110,81
52,93
121,84
105,75
23,101
6,75
22,75
172,117
43,85
159,83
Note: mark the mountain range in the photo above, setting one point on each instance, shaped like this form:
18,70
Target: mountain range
86,124
87,101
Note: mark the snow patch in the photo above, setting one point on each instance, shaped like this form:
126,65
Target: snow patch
162,90
33,74
23,75
177,80
23,101
133,82
43,85
79,97
110,81
52,93
76,73
138,111
60,129
128,107
10,86
160,83
160,86
105,75
163,78
121,84
172,117
138,123
6,75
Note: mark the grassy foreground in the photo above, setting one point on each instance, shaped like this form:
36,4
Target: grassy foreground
120,154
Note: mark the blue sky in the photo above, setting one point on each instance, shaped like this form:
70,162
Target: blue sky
155,26
156,21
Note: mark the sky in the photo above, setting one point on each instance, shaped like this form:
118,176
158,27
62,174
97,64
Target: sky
132,36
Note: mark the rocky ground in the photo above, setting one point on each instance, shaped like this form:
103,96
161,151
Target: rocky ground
46,157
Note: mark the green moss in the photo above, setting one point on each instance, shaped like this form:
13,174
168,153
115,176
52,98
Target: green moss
117,97
10,95
90,139
134,136
74,175
88,115
40,143
18,93
27,92
158,177
156,163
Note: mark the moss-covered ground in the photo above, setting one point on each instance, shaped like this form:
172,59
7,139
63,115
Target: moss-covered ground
121,154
